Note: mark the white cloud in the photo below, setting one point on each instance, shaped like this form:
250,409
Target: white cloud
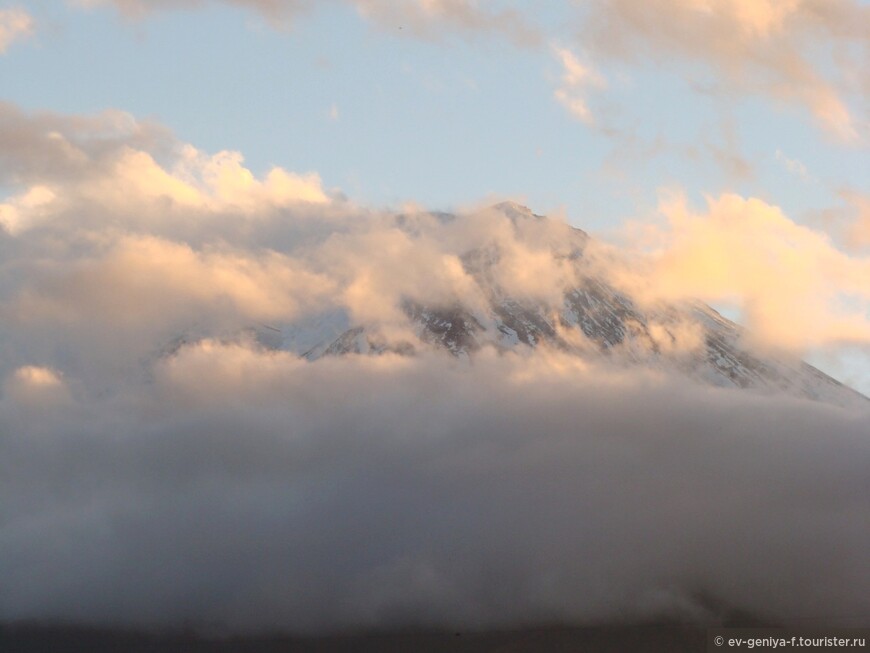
795,288
20,212
110,159
34,387
198,182
576,80
140,282
148,217
15,24
47,148
144,234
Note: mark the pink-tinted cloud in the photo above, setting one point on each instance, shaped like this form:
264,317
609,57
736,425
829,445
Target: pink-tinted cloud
859,207
16,24
574,83
810,53
428,18
795,288
274,10
421,18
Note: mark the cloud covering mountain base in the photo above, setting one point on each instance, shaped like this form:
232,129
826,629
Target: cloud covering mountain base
161,467
246,489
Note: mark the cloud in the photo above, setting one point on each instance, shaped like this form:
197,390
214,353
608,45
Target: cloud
848,221
794,166
429,18
163,467
115,231
36,387
276,11
117,238
22,211
422,18
45,147
140,280
795,288
15,24
577,78
110,159
163,232
802,52
249,490
222,179
859,230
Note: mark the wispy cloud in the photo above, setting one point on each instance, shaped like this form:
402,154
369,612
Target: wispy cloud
279,13
859,209
794,166
152,199
576,80
421,18
15,25
429,18
798,51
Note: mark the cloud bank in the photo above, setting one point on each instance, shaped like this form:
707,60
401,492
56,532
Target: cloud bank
160,466
111,222
795,288
248,490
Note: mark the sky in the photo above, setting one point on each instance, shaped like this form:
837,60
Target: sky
173,172
446,103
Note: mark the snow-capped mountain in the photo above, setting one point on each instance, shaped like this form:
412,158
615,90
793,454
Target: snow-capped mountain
593,320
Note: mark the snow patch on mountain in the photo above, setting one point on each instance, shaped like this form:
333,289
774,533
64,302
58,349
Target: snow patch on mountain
595,320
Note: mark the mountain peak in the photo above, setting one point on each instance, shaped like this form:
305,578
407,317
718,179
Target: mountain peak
516,211
589,318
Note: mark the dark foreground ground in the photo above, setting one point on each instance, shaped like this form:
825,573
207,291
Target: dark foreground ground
665,638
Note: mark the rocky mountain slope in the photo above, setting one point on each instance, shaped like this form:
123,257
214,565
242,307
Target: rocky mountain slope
593,320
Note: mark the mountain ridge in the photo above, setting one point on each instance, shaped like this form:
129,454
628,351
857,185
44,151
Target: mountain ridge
594,319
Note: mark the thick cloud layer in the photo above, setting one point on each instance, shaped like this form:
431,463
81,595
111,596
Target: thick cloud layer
796,289
242,489
114,223
159,467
